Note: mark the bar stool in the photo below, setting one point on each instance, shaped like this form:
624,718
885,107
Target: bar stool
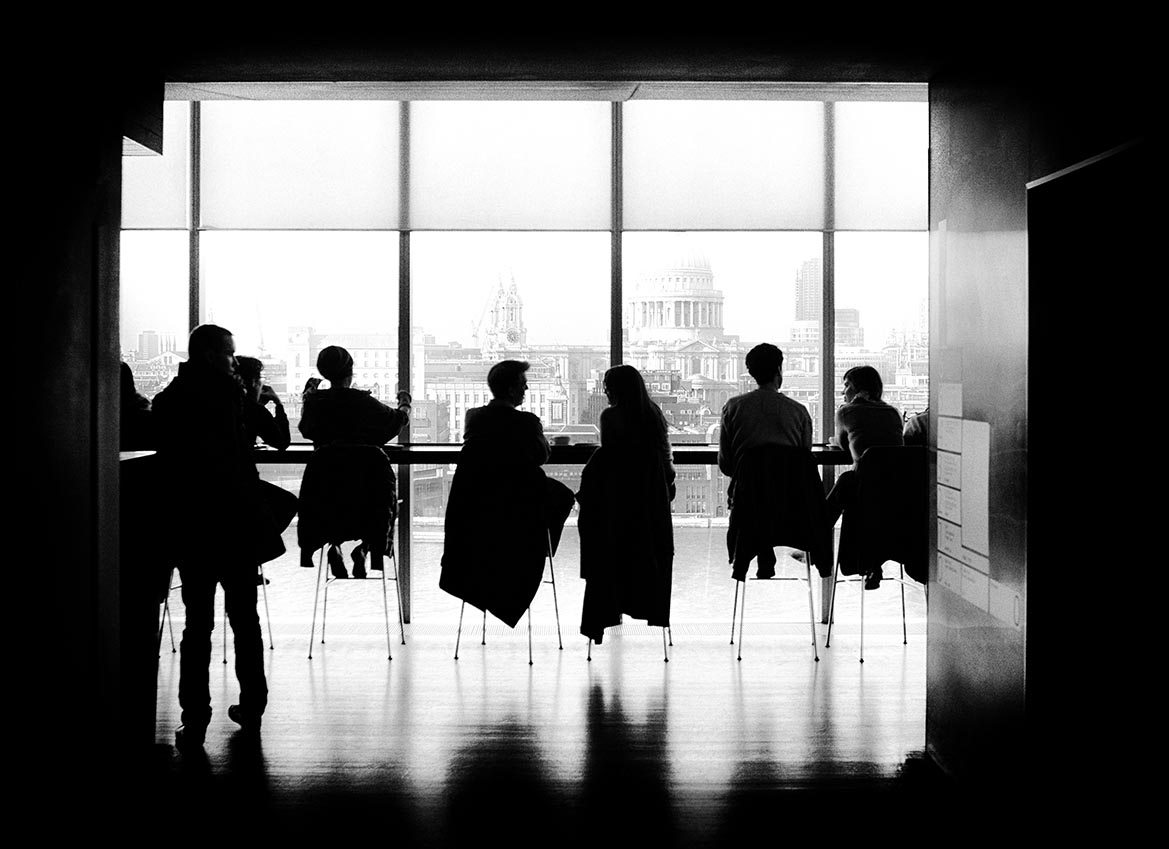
887,521
555,604
742,613
391,557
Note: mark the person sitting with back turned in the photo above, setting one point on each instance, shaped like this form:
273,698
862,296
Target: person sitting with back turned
272,429
504,515
864,420
347,416
136,431
224,528
625,524
917,429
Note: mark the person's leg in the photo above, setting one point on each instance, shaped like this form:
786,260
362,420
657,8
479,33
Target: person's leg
240,598
194,693
842,493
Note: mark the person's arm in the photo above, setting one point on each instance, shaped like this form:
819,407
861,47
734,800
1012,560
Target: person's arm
272,427
841,438
726,444
541,451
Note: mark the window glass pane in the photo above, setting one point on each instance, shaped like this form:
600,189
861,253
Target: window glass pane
748,165
695,303
308,165
483,297
285,296
154,188
882,313
882,158
503,165
153,311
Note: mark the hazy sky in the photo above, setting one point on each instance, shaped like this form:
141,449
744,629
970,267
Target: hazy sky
258,284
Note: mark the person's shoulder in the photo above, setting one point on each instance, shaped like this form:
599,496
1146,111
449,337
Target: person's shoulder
793,405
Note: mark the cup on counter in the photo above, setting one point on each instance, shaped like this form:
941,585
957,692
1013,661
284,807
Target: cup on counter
561,440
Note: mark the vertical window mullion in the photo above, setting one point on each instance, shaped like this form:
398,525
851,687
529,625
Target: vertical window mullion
828,309
616,352
405,349
194,278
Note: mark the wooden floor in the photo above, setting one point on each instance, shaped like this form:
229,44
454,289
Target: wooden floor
627,748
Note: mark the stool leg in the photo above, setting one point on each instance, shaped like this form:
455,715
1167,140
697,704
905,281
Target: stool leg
811,606
861,584
398,593
529,636
316,598
832,604
483,641
671,632
224,625
589,658
459,635
555,603
734,612
904,633
386,612
742,616
267,615
665,650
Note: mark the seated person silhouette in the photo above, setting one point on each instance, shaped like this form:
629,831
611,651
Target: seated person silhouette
626,529
863,421
917,429
760,419
271,429
137,427
504,515
347,493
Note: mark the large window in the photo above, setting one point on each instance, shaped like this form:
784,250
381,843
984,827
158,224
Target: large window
435,238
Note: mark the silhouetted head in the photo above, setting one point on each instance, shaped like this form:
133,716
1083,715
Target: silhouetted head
862,380
212,346
508,381
335,364
765,362
625,387
249,370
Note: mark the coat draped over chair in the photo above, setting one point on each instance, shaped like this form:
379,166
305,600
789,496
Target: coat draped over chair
501,517
777,498
889,517
348,492
626,540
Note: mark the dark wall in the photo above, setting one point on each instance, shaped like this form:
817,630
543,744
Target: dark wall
1028,345
65,184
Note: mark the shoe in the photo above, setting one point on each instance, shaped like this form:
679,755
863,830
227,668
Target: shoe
247,722
189,737
873,579
306,559
797,555
358,555
336,563
766,569
260,580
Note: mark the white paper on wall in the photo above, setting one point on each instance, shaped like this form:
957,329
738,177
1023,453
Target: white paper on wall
975,504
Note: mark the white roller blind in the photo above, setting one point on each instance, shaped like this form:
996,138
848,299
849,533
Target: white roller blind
882,166
300,165
154,188
731,165
504,165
